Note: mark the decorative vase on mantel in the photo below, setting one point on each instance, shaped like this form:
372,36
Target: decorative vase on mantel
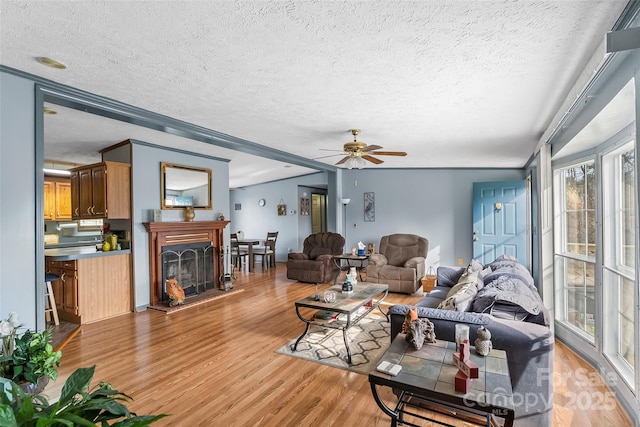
188,214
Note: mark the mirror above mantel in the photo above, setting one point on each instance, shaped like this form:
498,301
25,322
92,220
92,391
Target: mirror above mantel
182,186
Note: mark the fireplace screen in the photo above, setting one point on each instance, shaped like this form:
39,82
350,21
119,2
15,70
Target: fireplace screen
191,265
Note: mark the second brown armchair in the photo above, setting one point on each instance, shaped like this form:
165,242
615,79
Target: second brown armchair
315,264
400,263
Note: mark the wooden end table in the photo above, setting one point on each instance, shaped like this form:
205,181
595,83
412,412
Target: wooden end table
427,379
349,308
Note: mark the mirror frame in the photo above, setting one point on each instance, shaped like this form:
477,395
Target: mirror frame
163,171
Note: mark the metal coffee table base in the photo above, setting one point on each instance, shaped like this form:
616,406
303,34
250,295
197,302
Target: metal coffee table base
354,306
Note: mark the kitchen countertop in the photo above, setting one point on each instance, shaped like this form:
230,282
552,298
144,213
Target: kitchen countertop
73,244
78,252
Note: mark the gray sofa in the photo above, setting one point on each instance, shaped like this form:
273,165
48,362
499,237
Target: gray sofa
525,336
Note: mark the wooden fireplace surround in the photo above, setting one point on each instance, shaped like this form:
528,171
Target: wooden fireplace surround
163,234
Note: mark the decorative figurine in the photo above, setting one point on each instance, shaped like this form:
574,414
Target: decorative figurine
174,292
347,286
483,342
353,275
418,331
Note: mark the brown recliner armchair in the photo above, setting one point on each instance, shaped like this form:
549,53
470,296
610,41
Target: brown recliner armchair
400,263
314,264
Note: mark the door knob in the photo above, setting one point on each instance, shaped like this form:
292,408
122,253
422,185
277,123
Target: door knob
475,231
475,239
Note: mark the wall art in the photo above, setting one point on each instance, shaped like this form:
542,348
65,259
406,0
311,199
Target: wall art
304,206
369,207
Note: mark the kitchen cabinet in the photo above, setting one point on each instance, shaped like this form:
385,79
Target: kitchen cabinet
92,286
57,199
65,289
101,190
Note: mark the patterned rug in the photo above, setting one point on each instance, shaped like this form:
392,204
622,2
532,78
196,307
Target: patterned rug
367,341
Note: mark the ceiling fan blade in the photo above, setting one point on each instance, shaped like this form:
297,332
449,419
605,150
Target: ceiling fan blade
343,160
371,148
389,153
328,149
372,159
330,155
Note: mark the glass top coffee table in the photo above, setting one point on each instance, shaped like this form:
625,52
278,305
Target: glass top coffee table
427,380
346,311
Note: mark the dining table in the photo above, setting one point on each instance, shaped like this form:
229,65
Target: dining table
249,243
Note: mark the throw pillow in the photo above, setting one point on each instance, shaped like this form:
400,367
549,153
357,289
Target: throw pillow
459,297
475,265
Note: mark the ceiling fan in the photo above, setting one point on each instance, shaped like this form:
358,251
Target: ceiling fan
357,152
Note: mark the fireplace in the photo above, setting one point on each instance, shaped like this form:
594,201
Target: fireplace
190,252
191,265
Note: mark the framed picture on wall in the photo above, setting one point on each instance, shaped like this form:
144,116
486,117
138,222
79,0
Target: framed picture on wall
369,207
304,206
282,210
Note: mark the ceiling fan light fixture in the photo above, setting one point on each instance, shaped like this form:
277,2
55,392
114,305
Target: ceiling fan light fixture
351,163
359,162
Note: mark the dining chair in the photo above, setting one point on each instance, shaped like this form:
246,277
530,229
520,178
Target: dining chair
237,252
268,251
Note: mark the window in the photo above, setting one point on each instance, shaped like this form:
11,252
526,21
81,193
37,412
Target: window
575,246
618,278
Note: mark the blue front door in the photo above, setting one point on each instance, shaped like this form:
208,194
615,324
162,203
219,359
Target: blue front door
500,220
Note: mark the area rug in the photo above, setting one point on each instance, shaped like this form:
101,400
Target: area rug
196,300
368,340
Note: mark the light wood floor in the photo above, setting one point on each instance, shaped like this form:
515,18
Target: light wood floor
215,365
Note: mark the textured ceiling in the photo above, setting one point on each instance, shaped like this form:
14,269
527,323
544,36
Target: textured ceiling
453,83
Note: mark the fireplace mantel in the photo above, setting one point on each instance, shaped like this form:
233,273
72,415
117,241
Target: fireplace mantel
163,234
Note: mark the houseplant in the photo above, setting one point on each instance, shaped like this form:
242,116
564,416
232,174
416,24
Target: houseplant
77,405
27,358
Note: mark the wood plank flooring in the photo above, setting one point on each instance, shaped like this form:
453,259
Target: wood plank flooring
215,365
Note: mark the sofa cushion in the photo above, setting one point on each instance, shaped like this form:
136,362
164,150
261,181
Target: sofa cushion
453,316
448,276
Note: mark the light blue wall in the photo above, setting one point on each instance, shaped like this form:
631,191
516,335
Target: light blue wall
146,197
256,221
434,203
18,201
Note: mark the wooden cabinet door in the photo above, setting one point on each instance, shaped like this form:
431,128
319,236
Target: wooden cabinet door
86,193
63,200
57,285
99,192
70,295
49,200
75,195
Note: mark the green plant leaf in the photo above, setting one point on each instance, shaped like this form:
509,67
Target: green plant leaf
6,416
138,421
77,382
72,420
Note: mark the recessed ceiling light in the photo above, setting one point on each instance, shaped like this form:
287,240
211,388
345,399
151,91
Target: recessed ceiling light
51,62
48,110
